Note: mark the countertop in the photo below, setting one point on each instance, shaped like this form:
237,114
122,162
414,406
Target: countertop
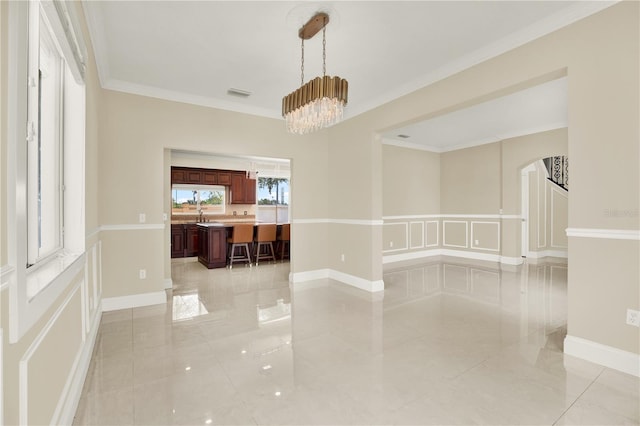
226,223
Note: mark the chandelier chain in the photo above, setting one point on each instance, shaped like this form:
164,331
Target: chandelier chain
302,65
324,50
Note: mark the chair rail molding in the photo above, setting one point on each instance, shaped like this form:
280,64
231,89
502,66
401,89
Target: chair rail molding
612,234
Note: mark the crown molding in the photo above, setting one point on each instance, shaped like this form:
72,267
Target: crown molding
550,24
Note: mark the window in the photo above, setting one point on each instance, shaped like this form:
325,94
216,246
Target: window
273,200
273,191
44,147
55,134
196,199
46,137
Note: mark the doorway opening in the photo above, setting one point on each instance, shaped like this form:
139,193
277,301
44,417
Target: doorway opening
545,196
209,193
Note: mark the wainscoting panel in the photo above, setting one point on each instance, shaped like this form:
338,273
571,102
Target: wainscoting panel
432,237
455,233
60,343
485,235
416,235
395,237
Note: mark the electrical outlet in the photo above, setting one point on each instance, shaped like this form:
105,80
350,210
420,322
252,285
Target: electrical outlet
477,242
143,274
342,257
143,218
633,317
390,244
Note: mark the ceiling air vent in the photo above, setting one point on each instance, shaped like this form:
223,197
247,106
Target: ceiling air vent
404,136
238,92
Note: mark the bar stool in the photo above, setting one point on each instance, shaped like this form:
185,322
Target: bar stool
265,236
240,238
283,240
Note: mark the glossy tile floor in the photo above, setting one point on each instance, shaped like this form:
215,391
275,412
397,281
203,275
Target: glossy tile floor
447,343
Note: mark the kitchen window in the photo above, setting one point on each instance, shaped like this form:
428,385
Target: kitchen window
198,199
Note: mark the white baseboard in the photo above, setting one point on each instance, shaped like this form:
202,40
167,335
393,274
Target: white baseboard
411,255
511,260
548,253
472,255
133,301
352,280
72,399
317,274
608,356
168,283
453,253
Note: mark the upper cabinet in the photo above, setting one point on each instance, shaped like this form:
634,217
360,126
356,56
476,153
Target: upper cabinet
200,176
224,178
209,177
186,175
243,190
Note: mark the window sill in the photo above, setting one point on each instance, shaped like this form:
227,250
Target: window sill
56,268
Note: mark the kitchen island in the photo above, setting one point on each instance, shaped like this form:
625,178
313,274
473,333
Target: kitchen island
212,242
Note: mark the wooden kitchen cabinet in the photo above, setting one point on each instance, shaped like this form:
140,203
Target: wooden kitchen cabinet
178,175
177,241
184,240
186,175
210,177
250,191
191,238
212,250
243,190
192,175
224,178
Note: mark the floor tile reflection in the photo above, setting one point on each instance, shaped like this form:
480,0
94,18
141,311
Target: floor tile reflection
447,342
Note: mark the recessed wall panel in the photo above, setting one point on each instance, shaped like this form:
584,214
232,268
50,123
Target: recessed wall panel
455,233
394,237
485,235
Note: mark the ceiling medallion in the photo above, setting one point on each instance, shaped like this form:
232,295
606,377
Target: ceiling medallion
320,102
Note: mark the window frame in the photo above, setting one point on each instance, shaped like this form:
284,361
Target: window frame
197,187
39,28
54,274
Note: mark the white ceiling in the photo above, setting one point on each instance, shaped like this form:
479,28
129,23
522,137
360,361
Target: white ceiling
194,51
537,109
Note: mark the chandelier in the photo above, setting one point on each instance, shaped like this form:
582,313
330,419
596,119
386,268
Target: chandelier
320,102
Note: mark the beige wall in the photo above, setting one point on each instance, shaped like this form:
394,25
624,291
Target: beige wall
470,180
410,181
599,295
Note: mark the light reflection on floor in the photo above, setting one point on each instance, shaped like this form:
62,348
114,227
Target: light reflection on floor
447,342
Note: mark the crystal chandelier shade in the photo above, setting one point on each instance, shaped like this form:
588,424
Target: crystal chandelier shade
320,102
316,105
